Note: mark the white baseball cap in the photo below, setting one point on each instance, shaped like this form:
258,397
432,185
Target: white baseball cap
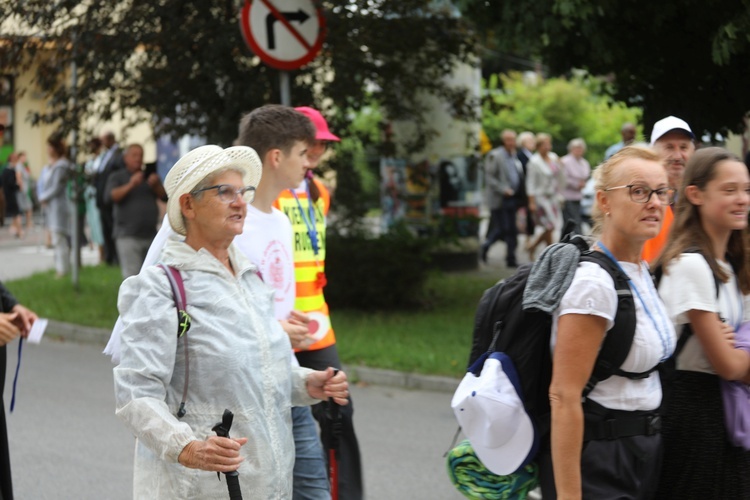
492,416
668,124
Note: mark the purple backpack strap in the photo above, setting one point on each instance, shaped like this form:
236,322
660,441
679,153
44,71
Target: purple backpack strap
183,324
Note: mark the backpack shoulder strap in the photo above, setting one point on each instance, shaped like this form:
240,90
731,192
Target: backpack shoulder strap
617,342
180,299
183,324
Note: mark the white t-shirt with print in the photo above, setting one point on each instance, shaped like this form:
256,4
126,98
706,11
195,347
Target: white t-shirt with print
592,292
688,284
267,242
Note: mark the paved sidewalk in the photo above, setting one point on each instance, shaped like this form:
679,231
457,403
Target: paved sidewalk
21,257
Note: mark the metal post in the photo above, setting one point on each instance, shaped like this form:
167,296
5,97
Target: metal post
286,99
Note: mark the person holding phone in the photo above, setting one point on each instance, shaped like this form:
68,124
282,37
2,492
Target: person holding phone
136,212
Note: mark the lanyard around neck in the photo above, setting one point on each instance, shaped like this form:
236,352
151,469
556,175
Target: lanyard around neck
661,329
309,218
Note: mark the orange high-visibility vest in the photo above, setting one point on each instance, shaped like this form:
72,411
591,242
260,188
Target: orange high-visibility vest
653,247
308,267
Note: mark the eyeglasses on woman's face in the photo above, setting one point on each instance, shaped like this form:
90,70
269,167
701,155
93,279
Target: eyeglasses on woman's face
228,194
642,194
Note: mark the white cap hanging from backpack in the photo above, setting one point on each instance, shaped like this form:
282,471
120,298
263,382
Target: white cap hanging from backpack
491,413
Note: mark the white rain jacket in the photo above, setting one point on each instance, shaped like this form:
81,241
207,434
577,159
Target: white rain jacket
239,360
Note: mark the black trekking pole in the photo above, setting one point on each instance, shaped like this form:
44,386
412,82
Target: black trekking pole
233,477
335,427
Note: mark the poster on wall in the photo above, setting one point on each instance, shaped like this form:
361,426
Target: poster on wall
418,192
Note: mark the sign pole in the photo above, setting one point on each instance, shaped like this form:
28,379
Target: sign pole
286,99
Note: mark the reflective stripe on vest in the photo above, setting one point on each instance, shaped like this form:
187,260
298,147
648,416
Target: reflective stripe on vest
309,297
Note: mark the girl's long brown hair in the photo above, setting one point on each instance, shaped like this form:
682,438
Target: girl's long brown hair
687,229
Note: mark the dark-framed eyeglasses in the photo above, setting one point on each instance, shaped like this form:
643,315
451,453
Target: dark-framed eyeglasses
642,194
228,194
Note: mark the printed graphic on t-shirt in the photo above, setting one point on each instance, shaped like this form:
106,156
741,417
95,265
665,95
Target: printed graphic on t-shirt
276,268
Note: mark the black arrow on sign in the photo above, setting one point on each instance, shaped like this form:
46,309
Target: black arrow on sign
300,16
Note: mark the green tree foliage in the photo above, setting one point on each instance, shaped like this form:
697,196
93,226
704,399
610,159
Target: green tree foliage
564,108
689,58
185,62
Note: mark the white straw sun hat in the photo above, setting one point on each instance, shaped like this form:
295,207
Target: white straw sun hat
200,163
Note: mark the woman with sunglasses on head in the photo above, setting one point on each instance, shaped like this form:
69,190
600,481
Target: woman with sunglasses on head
171,389
604,442
311,201
705,285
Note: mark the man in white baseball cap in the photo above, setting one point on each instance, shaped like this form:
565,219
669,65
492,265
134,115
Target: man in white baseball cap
672,138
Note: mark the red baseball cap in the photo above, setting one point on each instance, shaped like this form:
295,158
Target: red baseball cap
322,133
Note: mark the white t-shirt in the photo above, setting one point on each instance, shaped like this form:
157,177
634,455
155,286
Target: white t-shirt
267,242
592,292
688,284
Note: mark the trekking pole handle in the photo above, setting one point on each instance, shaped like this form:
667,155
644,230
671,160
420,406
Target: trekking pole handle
233,478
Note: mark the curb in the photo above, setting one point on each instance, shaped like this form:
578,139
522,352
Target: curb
360,374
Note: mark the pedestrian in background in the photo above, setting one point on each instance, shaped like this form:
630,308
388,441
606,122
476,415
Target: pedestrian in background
705,285
41,183
504,179
309,203
543,183
240,352
10,189
576,170
111,161
672,138
135,211
93,217
627,132
23,179
526,145
54,195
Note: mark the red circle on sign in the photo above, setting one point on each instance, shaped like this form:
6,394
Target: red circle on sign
274,62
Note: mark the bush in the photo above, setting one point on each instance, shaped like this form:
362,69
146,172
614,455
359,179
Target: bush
383,272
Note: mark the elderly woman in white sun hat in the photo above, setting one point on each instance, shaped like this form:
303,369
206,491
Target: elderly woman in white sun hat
237,354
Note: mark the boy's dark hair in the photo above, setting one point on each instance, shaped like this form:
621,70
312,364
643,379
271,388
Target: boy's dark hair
274,126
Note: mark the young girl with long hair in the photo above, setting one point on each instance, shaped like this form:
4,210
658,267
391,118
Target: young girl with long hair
705,286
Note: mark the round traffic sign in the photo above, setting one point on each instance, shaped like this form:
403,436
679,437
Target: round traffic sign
285,34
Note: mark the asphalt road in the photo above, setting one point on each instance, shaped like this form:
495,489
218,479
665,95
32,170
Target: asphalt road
66,442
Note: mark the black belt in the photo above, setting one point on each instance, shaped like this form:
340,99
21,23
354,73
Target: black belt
614,428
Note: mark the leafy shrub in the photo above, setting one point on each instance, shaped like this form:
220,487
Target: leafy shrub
377,272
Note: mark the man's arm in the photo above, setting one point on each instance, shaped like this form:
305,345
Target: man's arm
156,186
115,194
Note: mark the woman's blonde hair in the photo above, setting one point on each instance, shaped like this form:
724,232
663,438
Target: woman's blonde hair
606,174
688,231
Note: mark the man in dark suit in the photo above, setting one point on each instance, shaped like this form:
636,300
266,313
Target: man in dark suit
111,162
526,145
